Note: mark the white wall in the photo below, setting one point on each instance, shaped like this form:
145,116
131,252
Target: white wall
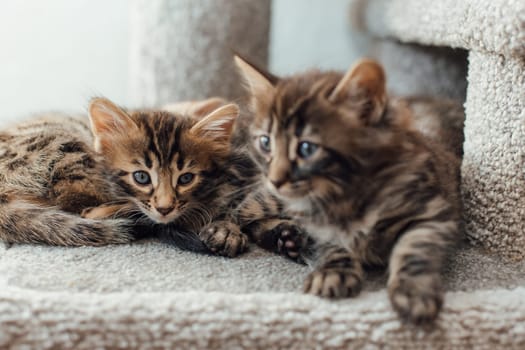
55,54
313,33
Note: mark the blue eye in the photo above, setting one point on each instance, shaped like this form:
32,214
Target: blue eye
306,149
141,177
264,143
186,178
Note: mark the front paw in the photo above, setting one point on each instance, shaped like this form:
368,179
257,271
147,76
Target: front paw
417,299
333,283
224,238
291,240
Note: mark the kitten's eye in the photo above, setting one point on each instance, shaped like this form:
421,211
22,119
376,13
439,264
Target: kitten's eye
186,178
141,177
264,142
306,149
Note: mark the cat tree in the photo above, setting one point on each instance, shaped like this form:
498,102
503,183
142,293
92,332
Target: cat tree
493,34
182,49
147,295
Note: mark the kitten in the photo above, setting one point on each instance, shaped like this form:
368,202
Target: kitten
151,172
345,162
272,232
49,174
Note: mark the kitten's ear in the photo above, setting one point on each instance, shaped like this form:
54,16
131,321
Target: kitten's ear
107,121
364,84
259,81
217,125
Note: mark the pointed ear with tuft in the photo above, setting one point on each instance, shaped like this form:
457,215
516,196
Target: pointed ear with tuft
365,85
217,125
107,121
260,82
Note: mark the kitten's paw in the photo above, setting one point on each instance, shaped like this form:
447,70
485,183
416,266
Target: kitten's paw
417,299
105,211
333,283
224,238
291,240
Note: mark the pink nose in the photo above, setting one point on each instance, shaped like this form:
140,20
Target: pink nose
164,211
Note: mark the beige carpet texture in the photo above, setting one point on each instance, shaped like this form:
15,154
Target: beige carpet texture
480,25
148,295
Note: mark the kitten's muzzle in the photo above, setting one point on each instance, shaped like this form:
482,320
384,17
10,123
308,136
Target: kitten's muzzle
164,211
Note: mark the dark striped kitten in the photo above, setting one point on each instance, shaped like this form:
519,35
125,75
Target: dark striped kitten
345,163
149,171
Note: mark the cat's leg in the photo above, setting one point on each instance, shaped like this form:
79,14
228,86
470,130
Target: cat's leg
108,210
260,215
415,282
281,236
223,237
337,273
75,186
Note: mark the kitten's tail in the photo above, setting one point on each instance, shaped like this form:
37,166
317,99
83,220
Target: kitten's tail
26,222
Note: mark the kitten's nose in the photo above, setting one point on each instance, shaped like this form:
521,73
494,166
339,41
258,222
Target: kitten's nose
278,183
164,211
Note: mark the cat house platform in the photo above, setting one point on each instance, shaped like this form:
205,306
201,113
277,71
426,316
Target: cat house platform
148,295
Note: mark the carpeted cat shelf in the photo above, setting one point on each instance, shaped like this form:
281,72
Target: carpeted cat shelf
492,34
148,295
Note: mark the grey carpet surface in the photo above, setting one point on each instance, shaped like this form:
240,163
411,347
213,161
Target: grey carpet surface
495,26
151,266
148,295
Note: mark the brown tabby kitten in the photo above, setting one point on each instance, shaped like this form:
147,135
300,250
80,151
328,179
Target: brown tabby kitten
148,170
347,165
439,119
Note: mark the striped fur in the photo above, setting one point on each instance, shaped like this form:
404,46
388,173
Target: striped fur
49,174
346,163
62,176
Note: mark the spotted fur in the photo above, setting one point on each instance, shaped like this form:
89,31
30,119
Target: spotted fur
126,168
346,163
49,174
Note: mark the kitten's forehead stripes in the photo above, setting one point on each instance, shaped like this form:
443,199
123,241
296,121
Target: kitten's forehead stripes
175,147
165,130
163,139
291,115
147,160
152,147
180,161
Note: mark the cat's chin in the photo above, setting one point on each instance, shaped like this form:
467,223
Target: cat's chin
299,206
294,200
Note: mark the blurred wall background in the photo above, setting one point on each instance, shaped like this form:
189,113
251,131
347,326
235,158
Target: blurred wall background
55,54
313,33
